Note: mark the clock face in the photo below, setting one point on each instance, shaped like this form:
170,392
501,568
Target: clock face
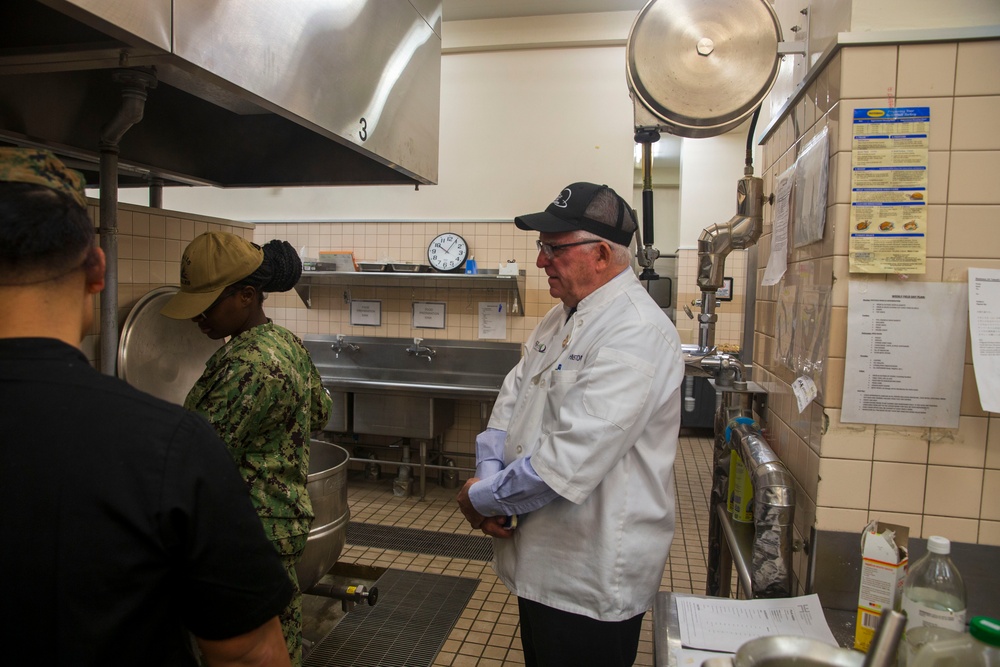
447,252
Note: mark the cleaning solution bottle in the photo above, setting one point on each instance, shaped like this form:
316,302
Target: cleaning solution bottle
934,600
933,593
979,648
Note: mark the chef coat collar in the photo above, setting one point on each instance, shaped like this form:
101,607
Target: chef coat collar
606,292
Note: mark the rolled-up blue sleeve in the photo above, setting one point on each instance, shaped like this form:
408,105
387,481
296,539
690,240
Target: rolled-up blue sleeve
489,452
516,489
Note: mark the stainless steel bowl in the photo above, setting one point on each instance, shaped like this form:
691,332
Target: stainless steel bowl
327,486
787,651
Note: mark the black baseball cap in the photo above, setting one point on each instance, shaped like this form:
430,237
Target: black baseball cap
585,206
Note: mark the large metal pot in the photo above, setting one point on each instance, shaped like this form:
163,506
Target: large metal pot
327,486
788,651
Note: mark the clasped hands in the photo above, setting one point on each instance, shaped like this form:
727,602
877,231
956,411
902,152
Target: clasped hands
491,525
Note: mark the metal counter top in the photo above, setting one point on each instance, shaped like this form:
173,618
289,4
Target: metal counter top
667,631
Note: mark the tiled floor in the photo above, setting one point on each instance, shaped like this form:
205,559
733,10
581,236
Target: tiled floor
486,635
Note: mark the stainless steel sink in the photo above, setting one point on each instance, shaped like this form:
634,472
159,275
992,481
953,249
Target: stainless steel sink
458,369
387,389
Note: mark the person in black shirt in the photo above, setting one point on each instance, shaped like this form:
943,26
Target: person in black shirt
126,527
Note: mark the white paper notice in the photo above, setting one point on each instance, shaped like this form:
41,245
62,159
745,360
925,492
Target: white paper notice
905,353
777,263
805,391
366,313
492,320
428,314
722,624
984,323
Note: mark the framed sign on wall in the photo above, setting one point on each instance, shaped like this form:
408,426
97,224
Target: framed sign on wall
725,293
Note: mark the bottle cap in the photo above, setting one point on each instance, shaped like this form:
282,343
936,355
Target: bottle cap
985,629
938,545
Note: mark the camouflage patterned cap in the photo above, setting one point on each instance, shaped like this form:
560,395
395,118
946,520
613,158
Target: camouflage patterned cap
211,263
38,166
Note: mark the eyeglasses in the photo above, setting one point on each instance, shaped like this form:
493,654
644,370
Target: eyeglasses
550,250
222,297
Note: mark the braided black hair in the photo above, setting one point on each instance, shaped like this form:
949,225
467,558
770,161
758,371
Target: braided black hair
279,272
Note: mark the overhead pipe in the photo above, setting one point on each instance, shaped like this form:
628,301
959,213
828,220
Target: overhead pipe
155,192
135,82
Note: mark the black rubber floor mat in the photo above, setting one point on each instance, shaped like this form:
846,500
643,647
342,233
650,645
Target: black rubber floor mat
407,628
412,540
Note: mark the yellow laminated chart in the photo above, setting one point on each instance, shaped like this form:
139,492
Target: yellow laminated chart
889,190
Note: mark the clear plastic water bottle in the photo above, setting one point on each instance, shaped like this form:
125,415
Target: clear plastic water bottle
979,648
933,593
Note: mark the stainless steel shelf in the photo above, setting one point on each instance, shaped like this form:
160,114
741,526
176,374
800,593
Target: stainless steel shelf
484,280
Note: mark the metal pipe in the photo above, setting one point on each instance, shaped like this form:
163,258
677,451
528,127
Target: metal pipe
739,233
349,594
403,483
109,244
717,241
423,468
774,512
647,254
134,85
429,466
156,193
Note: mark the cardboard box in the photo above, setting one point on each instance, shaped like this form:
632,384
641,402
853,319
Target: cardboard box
884,561
337,260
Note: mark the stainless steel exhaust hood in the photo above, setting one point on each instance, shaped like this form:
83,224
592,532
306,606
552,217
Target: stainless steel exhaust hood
252,93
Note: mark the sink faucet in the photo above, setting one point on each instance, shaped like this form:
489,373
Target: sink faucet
340,345
418,350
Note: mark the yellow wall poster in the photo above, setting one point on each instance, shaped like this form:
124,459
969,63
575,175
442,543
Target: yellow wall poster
889,190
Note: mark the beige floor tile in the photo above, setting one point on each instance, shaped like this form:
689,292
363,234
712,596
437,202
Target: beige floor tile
487,633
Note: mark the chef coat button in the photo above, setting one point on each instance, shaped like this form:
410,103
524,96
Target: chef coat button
519,449
542,383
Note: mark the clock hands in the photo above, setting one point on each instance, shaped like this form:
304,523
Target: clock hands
448,249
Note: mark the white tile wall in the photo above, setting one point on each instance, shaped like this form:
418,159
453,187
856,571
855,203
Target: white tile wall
936,481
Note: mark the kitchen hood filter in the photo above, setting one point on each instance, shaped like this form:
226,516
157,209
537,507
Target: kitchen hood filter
699,68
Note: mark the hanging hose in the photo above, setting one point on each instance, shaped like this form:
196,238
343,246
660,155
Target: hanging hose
748,170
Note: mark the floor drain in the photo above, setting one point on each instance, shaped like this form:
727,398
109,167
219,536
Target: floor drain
407,628
469,547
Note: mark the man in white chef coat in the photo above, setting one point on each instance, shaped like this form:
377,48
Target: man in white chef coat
580,447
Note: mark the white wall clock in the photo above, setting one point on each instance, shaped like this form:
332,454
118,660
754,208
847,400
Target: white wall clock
447,252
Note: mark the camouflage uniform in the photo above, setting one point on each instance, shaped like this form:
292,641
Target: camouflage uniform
262,393
40,167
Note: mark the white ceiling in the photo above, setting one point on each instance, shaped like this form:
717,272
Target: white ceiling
464,10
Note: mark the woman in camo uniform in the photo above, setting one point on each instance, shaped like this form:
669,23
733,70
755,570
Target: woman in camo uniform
261,390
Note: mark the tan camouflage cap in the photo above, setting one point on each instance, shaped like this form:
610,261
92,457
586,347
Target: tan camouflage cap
212,262
38,166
